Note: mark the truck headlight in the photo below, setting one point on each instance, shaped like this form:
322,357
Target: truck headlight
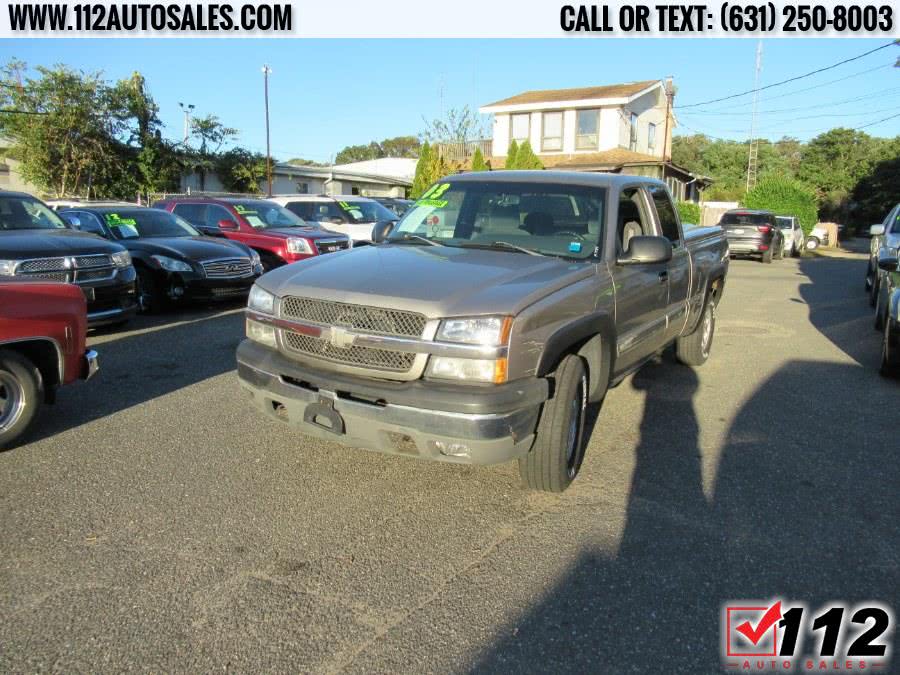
468,370
172,265
121,258
491,331
261,300
8,268
261,332
297,245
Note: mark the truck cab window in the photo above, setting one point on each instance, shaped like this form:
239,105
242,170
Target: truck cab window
668,219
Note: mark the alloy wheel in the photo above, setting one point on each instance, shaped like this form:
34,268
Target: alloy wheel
12,400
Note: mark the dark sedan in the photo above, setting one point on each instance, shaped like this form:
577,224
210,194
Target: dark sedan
753,233
174,262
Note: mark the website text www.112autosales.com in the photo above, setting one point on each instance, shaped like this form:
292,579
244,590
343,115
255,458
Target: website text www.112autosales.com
43,17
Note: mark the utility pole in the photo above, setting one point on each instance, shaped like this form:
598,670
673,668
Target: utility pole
670,96
186,108
753,156
266,72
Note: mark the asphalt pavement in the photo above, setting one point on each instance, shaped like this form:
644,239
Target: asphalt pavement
154,522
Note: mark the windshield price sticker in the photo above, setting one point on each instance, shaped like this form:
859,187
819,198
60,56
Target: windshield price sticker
113,220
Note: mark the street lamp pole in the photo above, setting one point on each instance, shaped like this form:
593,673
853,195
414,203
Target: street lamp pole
187,108
266,71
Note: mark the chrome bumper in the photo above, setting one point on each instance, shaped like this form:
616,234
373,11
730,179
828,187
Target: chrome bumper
90,364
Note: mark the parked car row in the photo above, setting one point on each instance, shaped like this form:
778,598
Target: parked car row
882,285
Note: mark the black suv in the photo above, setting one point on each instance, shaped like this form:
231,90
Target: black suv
35,243
753,233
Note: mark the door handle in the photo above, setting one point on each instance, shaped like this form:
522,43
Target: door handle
663,277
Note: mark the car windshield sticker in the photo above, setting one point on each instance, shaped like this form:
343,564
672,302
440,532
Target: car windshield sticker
352,209
243,210
127,231
253,219
574,246
113,220
431,196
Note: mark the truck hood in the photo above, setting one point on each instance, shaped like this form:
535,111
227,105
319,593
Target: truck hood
305,232
437,281
21,244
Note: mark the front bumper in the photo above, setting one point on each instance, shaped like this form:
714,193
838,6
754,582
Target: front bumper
90,364
218,289
113,300
450,423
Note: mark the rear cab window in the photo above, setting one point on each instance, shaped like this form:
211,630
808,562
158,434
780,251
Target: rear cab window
665,211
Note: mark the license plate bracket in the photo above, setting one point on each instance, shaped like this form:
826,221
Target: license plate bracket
323,415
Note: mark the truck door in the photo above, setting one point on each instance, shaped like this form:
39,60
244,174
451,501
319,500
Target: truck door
641,291
679,267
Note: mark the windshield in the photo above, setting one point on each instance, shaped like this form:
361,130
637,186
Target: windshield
746,219
563,220
784,222
267,215
128,224
365,211
24,213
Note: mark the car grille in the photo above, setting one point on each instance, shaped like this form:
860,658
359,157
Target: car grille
75,269
358,317
331,245
365,357
227,268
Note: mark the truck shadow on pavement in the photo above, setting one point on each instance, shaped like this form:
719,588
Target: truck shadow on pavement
805,512
841,312
136,367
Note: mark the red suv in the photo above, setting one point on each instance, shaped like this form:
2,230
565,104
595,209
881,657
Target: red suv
278,235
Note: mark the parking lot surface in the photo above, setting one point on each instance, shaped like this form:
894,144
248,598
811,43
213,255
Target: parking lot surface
154,522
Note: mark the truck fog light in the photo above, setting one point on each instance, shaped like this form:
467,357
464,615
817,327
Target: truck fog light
474,370
261,332
450,449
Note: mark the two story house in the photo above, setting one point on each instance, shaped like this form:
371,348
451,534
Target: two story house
621,128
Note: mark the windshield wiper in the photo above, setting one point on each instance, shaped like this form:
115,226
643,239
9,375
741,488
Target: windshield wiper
412,238
505,245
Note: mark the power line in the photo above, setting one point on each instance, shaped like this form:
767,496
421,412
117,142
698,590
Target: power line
791,79
802,131
874,94
799,91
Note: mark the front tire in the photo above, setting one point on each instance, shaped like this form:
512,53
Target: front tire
21,394
890,352
558,450
767,256
812,244
693,349
149,293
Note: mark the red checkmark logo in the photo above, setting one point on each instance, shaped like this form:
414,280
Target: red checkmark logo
772,615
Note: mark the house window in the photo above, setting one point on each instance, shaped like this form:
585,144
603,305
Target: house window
552,133
651,137
521,127
632,140
303,188
586,137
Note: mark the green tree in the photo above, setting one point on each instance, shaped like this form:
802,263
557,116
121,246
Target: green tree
689,212
526,159
786,197
877,192
458,125
478,163
398,146
213,134
511,154
429,169
241,170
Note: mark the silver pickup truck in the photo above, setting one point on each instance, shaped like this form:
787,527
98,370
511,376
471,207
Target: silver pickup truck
481,327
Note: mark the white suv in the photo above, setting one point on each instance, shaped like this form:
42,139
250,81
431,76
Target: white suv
348,214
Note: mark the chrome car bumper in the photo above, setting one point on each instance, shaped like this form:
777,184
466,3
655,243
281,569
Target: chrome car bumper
90,364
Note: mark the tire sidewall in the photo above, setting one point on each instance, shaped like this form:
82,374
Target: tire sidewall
28,380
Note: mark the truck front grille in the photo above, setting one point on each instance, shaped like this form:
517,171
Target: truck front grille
359,317
72,269
364,357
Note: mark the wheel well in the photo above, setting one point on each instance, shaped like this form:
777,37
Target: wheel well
597,353
43,354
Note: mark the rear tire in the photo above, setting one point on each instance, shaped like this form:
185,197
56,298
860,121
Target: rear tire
795,251
767,256
812,244
558,450
21,395
693,349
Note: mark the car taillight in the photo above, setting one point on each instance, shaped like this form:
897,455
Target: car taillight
764,229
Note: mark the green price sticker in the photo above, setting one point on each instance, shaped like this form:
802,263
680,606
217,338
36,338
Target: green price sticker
113,220
434,203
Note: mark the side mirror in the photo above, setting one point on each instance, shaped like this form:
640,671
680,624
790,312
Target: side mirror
646,251
381,230
876,230
72,220
227,225
888,263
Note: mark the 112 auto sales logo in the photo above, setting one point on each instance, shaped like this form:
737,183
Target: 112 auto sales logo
786,636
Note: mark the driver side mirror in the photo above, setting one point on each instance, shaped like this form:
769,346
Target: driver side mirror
646,251
226,224
72,221
381,230
876,230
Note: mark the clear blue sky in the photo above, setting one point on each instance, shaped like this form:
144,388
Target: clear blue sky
326,94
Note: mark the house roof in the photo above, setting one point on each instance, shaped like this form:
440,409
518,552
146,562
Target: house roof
336,173
609,91
606,159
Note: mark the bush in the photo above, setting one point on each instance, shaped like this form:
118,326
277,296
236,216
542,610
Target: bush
689,212
478,163
526,159
785,197
511,156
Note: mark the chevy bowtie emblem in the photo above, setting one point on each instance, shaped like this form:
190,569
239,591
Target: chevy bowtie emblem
340,338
